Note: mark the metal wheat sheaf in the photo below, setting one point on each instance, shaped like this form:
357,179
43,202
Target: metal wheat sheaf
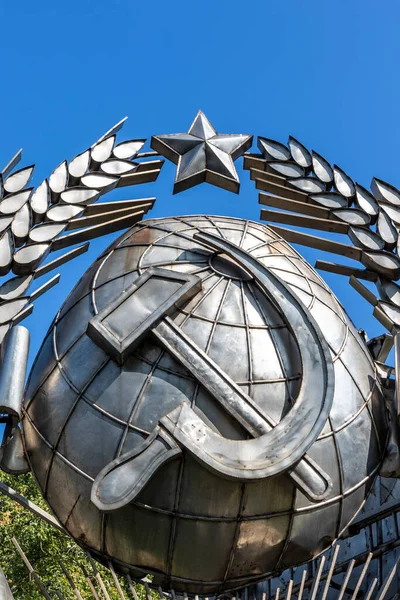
201,382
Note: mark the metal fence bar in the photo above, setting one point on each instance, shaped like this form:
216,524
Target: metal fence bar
330,572
302,582
117,583
162,596
5,591
31,506
346,579
317,579
132,588
371,589
359,560
148,593
31,570
361,578
98,577
90,584
70,581
289,590
386,584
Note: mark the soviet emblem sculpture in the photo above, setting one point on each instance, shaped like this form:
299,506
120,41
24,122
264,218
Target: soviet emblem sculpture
201,382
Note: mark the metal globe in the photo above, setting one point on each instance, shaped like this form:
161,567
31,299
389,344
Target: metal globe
191,529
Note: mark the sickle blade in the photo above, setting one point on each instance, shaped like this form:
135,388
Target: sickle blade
308,416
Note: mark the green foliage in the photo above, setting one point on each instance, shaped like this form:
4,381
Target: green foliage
45,547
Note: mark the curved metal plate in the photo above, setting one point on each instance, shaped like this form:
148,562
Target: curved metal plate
99,181
21,224
364,238
18,180
353,216
10,309
310,185
385,192
322,168
386,229
299,153
6,252
389,291
28,258
12,203
79,165
128,149
287,169
64,212
15,287
46,232
79,195
366,201
273,150
103,149
385,263
343,183
331,200
117,167
40,199
392,212
59,178
391,311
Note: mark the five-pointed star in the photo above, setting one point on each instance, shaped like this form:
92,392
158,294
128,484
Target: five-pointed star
203,155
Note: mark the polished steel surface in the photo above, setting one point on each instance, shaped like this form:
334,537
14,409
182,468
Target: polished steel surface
13,363
202,155
5,592
123,324
12,454
189,528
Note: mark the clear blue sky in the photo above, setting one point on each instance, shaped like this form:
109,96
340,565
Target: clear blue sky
324,72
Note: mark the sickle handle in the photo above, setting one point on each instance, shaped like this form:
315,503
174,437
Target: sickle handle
122,480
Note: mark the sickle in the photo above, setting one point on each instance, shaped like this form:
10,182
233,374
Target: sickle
276,448
283,446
